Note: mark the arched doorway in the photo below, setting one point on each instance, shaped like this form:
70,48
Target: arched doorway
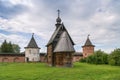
27,59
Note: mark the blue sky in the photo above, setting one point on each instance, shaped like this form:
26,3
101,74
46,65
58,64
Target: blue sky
99,18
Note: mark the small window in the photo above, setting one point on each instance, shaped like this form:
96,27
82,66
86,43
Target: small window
30,51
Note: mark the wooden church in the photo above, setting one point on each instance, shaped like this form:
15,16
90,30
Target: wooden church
60,47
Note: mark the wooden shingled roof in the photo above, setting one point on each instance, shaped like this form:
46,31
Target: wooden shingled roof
88,42
64,44
56,32
32,43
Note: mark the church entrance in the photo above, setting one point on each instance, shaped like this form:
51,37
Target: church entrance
27,59
59,60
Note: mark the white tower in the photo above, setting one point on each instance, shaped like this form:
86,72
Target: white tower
32,51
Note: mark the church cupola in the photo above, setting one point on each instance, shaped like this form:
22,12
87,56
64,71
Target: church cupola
58,20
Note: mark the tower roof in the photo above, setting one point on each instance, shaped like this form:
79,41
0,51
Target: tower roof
32,43
64,44
88,42
60,29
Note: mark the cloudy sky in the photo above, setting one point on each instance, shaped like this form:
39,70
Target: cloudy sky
99,18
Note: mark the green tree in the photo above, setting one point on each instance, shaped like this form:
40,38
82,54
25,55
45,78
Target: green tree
83,60
112,62
99,57
114,57
16,48
4,46
0,49
9,47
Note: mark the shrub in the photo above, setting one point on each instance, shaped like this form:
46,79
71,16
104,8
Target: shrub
112,62
115,55
83,60
90,59
105,58
99,57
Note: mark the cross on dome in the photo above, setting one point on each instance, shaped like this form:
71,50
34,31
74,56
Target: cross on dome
58,20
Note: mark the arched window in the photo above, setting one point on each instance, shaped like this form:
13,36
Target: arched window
30,51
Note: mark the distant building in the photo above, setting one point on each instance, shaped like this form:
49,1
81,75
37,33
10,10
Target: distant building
88,48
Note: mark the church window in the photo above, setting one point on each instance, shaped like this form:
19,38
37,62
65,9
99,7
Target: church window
30,51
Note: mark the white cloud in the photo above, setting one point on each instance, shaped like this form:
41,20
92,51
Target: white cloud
23,2
80,18
16,39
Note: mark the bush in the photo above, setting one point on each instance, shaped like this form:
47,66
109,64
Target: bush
90,59
99,57
105,58
112,62
83,60
115,55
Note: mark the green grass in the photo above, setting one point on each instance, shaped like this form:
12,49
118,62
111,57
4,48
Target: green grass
39,71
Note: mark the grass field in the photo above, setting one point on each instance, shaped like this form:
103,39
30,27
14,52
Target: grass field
39,71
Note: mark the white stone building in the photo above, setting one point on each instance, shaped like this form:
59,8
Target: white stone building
32,51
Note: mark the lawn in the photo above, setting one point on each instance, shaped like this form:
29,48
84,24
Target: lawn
39,71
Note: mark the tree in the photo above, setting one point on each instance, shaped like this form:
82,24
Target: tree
0,49
99,57
112,62
114,57
16,48
83,60
4,46
9,47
